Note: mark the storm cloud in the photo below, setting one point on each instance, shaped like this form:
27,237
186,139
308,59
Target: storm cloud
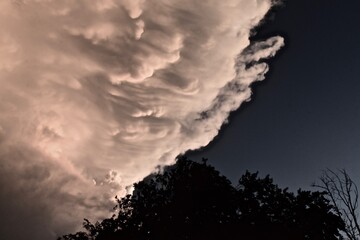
96,94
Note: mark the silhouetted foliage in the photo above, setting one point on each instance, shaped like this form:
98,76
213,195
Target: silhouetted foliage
193,201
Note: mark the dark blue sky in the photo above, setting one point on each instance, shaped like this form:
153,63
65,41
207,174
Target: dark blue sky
305,116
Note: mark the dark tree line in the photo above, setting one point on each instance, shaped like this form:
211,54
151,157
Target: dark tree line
193,201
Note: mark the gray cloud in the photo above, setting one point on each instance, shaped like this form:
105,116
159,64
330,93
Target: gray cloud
94,96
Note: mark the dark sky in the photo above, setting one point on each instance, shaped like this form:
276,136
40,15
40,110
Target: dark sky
305,117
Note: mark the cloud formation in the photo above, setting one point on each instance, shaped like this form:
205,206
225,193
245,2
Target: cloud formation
95,95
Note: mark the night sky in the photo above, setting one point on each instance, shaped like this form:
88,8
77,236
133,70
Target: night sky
305,116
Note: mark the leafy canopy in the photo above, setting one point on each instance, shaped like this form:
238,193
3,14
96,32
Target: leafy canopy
192,200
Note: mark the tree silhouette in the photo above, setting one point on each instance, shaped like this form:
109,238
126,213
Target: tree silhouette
344,195
192,200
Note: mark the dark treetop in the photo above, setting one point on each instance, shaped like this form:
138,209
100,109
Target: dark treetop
193,201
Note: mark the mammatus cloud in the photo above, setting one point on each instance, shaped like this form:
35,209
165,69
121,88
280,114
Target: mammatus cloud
95,94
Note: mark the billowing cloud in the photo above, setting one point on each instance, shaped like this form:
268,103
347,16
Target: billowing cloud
95,94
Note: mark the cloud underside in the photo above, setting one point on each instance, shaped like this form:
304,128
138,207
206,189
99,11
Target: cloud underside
95,95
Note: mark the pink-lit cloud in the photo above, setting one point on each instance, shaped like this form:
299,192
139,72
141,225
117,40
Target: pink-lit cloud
95,94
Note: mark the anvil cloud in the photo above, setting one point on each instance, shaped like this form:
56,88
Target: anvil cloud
94,95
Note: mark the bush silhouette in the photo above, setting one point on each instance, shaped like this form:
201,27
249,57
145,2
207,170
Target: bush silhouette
192,200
